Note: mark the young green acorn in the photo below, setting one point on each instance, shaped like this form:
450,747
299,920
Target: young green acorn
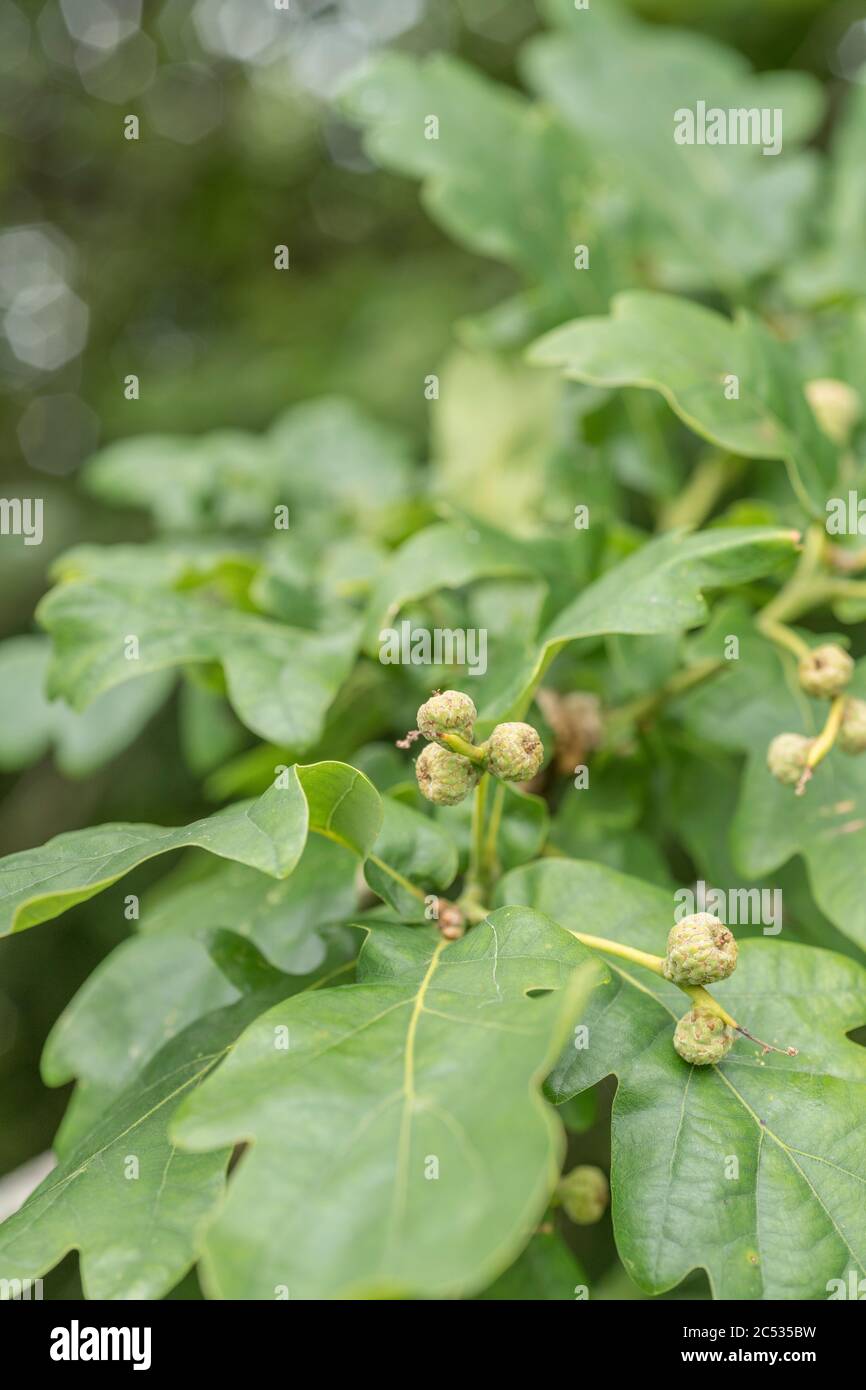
443,776
825,671
700,951
702,1038
452,712
514,752
852,730
583,1194
836,407
786,757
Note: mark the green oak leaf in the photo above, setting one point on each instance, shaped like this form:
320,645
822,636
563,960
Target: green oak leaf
30,724
280,679
412,850
790,1216
268,834
725,213
835,266
547,1270
430,1063
138,1233
159,981
314,454
688,353
503,177
444,556
658,589
752,700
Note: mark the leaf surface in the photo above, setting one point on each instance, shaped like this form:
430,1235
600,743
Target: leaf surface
689,354
430,1064
125,1197
752,1170
268,834
280,679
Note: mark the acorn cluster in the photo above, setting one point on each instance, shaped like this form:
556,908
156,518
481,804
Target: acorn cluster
824,673
513,752
701,950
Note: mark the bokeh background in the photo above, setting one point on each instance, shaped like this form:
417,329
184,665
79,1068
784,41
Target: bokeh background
155,257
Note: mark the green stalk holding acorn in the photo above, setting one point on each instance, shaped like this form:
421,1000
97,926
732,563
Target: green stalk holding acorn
701,950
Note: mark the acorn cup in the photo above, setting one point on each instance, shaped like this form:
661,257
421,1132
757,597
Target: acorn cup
700,951
702,1038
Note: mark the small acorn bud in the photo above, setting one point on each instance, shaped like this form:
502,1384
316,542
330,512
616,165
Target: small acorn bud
514,752
700,951
584,1194
702,1038
449,713
852,730
835,405
825,671
443,776
786,757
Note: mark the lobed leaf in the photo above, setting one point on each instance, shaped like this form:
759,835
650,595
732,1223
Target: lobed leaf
268,834
375,1166
752,1169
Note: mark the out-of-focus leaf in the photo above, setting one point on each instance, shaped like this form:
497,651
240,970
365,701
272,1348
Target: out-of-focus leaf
30,724
546,1270
280,680
689,353
755,698
658,589
729,213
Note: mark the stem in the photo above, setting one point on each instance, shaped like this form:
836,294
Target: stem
616,948
702,999
645,705
782,635
696,993
823,743
398,877
709,479
768,1047
489,858
466,750
476,844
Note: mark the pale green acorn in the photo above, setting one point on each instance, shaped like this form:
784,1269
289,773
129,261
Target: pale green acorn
701,950
825,671
443,776
514,752
786,757
852,730
452,712
584,1194
836,406
702,1038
